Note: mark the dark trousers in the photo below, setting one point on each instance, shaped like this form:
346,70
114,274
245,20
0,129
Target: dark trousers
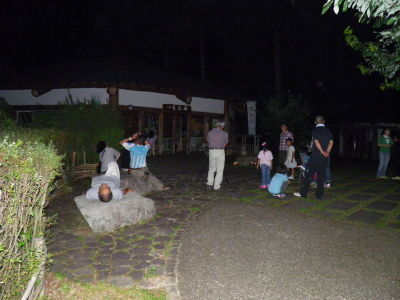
315,165
397,165
282,156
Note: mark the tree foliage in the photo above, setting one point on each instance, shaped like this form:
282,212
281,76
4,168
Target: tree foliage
382,54
293,111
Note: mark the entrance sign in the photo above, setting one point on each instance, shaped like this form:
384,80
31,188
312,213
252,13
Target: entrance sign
175,107
251,117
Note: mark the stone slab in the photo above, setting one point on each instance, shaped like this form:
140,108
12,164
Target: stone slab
299,204
341,205
366,216
380,205
360,197
106,217
392,197
141,184
374,190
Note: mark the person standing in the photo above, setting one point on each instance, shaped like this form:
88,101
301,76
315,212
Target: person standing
217,140
322,146
285,135
396,157
106,156
126,155
290,161
264,161
385,142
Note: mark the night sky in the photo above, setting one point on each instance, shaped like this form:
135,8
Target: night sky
233,41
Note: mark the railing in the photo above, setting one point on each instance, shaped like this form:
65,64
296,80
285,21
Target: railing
245,144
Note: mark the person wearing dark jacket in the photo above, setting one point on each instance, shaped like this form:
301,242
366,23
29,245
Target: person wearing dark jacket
396,157
321,148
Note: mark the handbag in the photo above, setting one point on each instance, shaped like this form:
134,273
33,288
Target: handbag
98,167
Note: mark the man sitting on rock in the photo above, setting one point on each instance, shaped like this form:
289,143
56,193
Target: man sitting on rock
106,187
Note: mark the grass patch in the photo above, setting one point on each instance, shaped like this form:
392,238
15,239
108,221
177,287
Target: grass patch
194,209
61,288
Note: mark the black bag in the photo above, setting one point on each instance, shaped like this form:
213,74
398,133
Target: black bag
98,168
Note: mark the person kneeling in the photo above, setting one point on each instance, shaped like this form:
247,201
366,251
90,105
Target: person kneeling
106,187
279,182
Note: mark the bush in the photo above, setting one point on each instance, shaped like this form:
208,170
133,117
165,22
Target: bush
28,166
78,126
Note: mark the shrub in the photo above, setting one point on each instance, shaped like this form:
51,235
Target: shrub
82,124
28,167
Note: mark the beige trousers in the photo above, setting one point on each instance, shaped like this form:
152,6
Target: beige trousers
216,165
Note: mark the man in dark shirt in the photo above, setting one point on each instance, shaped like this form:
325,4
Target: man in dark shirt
322,146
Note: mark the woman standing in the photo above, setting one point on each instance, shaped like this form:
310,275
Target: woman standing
385,142
106,155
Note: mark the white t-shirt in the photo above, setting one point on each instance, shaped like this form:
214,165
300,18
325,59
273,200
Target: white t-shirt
290,154
265,157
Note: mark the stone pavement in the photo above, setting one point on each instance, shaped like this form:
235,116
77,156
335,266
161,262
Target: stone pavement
355,197
144,254
237,250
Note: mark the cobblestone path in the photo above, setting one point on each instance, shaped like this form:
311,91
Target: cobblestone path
144,254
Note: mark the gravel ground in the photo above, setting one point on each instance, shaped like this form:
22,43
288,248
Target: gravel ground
237,250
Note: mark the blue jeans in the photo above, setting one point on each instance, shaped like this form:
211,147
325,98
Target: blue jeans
328,174
265,174
383,163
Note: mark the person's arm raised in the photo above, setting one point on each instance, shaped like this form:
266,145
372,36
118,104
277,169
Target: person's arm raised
125,140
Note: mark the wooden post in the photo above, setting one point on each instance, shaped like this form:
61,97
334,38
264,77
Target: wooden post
113,98
180,133
73,161
188,132
206,128
141,122
227,119
84,157
173,133
160,133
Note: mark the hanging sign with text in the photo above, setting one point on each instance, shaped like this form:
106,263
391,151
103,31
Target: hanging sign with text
251,117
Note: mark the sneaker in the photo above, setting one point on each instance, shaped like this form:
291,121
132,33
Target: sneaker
263,186
281,195
396,178
313,185
291,177
297,194
327,185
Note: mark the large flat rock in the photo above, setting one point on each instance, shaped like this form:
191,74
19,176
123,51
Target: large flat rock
105,217
141,184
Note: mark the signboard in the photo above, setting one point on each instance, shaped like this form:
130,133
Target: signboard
251,117
175,107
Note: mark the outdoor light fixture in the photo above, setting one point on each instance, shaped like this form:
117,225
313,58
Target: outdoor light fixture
130,107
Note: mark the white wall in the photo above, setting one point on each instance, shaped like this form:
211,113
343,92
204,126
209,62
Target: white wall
53,97
126,97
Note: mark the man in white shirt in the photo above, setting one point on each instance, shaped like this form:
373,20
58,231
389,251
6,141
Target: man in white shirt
106,187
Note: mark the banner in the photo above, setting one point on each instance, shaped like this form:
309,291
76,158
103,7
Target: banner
251,117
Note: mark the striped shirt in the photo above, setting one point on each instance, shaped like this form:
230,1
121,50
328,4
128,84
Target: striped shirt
138,154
